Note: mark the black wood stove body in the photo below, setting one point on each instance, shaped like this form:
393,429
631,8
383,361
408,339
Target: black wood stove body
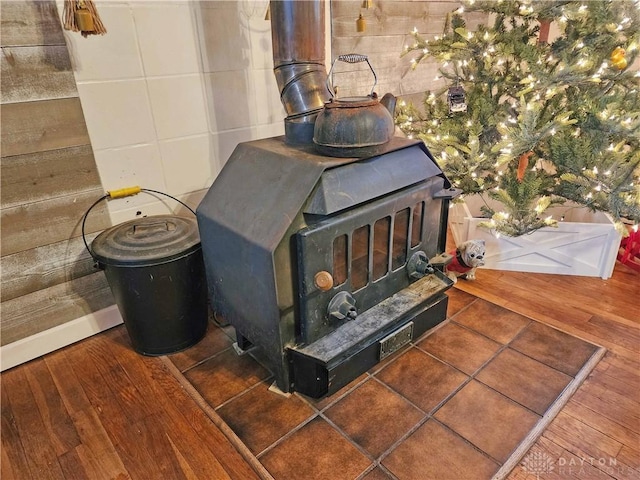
324,265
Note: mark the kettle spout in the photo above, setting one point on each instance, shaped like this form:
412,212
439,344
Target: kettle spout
389,101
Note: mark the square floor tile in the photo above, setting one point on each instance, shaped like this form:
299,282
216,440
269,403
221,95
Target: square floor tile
460,347
493,321
214,342
527,381
374,417
422,379
376,474
225,376
487,419
554,348
435,452
457,301
260,417
315,452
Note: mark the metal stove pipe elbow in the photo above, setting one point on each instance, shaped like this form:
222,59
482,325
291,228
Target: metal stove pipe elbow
297,33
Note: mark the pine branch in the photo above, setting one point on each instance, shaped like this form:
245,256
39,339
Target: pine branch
572,106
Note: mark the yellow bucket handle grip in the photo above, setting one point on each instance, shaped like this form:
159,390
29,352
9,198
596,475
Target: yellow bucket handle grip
124,192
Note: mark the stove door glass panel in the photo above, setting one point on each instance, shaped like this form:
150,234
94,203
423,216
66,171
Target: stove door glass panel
360,257
381,231
400,233
339,260
416,224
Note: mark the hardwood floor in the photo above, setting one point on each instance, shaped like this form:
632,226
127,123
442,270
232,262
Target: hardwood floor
98,410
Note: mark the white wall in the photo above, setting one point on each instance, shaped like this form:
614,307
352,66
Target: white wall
170,90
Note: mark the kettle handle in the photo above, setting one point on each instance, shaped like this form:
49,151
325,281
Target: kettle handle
350,58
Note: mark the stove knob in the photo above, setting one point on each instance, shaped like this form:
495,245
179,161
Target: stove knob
418,265
323,280
343,307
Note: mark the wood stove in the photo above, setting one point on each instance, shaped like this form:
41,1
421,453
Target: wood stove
324,265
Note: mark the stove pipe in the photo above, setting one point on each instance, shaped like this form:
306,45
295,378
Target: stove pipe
297,33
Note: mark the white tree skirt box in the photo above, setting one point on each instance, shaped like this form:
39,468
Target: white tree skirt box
585,242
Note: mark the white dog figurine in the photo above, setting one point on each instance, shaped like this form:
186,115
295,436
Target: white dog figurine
466,258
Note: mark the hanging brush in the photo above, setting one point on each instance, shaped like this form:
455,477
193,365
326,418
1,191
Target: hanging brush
82,16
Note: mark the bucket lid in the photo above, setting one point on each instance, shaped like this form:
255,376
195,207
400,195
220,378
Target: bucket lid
146,241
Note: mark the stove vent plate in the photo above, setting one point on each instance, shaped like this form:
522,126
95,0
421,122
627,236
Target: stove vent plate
396,340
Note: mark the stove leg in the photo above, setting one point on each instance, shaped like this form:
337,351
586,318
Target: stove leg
242,345
275,389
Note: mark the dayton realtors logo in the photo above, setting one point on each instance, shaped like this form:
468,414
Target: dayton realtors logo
540,464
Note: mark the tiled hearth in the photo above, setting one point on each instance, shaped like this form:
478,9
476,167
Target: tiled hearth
453,405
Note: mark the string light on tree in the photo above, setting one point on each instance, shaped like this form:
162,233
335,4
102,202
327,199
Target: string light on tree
547,99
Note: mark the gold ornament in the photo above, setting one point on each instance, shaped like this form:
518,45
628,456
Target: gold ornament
621,64
617,58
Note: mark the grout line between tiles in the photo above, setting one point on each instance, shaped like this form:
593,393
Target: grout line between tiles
372,467
462,325
318,413
310,401
246,390
286,435
200,362
467,306
348,438
410,432
475,447
387,471
521,332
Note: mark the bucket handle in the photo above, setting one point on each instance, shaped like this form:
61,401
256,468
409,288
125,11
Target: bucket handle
121,193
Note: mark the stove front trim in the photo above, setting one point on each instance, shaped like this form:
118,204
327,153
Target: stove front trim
325,366
317,378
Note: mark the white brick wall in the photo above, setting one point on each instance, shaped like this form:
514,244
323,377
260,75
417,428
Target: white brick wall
170,90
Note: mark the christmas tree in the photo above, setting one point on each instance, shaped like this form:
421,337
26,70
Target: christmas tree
530,121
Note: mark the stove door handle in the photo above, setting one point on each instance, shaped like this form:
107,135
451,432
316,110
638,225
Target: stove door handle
342,307
418,265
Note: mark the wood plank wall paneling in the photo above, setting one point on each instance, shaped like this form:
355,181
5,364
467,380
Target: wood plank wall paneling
41,223
36,73
54,306
38,126
389,27
48,179
43,267
32,22
39,176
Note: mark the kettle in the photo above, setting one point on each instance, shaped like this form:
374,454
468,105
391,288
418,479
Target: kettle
354,126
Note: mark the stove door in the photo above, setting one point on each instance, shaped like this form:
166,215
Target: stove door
350,262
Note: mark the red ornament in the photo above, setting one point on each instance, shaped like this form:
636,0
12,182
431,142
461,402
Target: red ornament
543,36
